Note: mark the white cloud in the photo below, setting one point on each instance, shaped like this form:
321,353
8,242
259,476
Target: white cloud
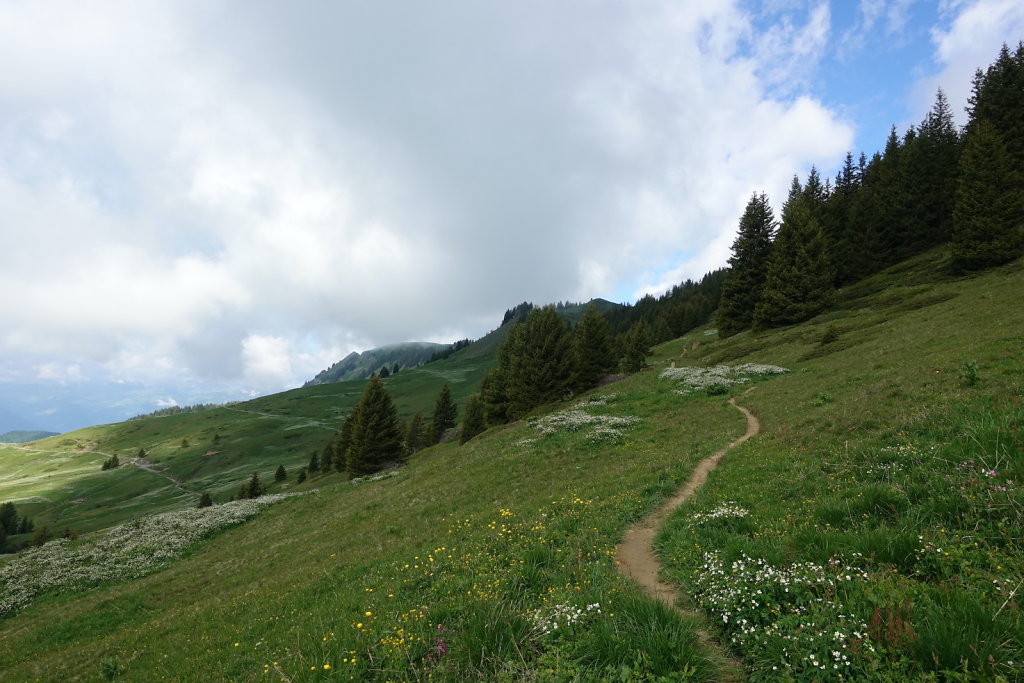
184,203
970,41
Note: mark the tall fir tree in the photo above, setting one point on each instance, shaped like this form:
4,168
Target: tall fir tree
494,391
592,350
415,434
748,267
988,220
445,414
542,369
636,346
473,421
376,437
800,276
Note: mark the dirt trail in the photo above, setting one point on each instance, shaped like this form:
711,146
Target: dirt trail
635,555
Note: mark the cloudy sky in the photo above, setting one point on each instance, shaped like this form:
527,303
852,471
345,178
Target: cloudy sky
208,199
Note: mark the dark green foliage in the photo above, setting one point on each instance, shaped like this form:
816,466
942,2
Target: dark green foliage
541,368
251,489
110,463
800,276
494,389
184,443
415,434
998,98
375,439
473,421
636,346
592,350
205,500
41,536
280,474
314,463
8,518
988,221
445,414
384,372
25,525
301,476
748,267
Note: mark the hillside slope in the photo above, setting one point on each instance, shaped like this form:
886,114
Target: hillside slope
869,495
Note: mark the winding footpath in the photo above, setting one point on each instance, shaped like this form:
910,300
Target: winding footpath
635,555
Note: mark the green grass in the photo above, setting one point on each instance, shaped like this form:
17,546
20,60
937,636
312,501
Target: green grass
58,483
448,570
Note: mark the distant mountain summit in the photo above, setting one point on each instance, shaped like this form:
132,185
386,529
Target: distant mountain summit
361,365
24,436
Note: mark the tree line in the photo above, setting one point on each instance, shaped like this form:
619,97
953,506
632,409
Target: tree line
933,185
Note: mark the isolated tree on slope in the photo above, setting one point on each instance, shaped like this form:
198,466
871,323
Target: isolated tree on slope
592,350
799,279
445,414
376,437
748,267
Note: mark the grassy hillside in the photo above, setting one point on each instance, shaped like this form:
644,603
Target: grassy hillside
58,482
877,513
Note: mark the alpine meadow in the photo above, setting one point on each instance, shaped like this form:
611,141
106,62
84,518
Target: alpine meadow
850,384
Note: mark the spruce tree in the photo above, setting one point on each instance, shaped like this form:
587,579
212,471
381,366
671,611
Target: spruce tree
415,437
205,500
445,414
376,438
541,371
592,350
314,463
800,276
988,220
254,488
748,267
494,389
636,346
280,474
473,421
301,476
8,517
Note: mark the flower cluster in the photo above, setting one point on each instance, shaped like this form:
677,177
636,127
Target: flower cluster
550,620
387,474
789,614
601,427
701,379
730,508
128,551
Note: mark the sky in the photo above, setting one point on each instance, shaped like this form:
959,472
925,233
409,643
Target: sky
205,200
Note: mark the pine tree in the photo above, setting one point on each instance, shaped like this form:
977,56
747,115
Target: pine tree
8,517
254,488
301,476
280,474
445,414
415,437
988,220
384,372
494,389
592,350
376,439
205,500
314,463
748,267
541,370
473,421
636,346
800,276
